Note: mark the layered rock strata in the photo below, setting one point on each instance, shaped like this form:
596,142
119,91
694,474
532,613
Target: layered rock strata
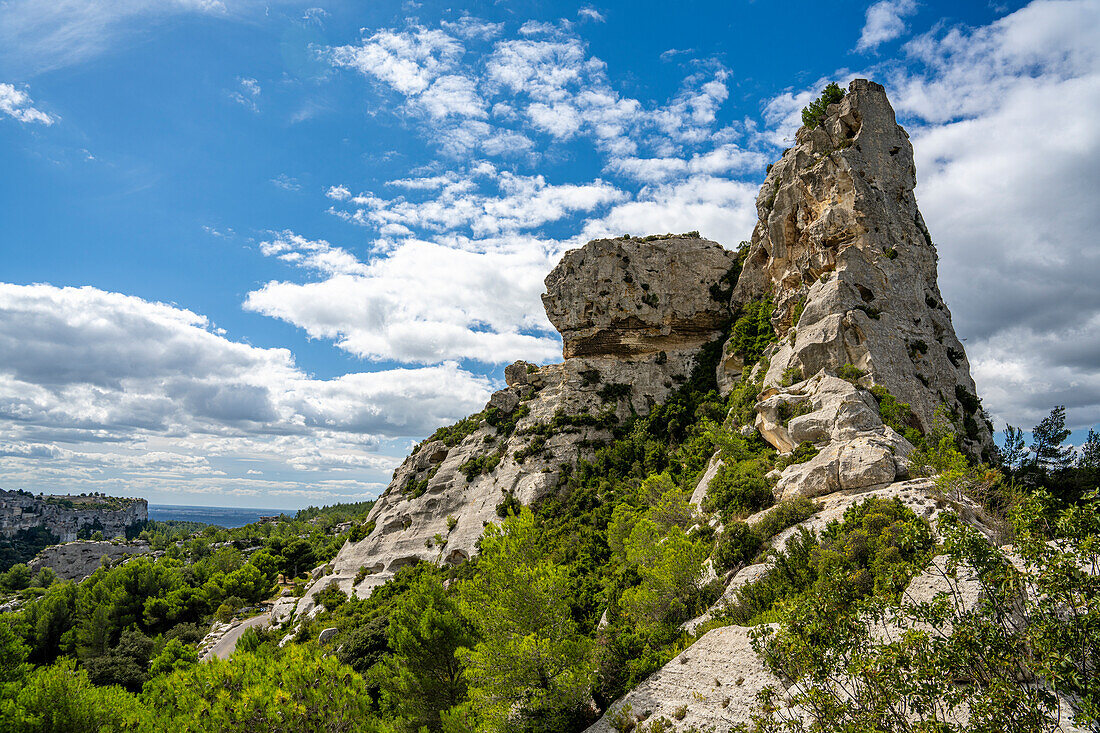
633,315
66,516
845,258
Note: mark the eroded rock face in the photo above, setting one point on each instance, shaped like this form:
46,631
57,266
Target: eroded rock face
77,560
841,420
440,500
625,298
712,683
841,245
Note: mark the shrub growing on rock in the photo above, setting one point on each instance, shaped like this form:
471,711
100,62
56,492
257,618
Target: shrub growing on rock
739,489
814,112
738,545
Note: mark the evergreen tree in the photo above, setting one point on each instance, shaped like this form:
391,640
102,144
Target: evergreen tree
531,664
422,677
1014,449
814,112
295,690
1047,438
1090,452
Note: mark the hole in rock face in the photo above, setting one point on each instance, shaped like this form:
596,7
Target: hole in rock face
457,557
403,562
865,294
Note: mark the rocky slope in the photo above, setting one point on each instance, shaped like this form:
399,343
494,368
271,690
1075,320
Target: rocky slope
838,287
78,560
633,314
842,255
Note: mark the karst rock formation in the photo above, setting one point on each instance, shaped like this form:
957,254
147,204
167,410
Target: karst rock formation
842,255
633,315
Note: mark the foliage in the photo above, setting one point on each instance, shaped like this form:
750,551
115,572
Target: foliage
851,373
739,489
943,665
1090,452
505,423
874,550
791,375
786,513
614,391
803,452
61,699
176,655
896,414
1047,450
126,664
452,435
481,463
531,662
24,545
421,677
1012,450
738,545
331,596
814,112
292,690
752,331
669,563
17,577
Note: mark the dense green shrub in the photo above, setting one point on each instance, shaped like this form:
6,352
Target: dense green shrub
788,410
294,689
739,489
851,373
982,661
454,434
896,414
786,513
874,550
483,463
62,698
802,453
614,391
738,545
752,331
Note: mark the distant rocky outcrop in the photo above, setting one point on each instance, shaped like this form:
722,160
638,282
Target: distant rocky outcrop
633,314
67,516
78,560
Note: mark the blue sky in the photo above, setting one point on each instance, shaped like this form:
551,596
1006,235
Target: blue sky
252,251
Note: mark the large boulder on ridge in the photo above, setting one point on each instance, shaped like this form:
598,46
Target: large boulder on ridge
444,494
629,297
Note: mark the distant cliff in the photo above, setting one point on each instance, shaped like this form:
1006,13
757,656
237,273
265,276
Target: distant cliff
69,517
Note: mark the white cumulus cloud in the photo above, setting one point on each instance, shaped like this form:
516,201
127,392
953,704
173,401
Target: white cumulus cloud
885,21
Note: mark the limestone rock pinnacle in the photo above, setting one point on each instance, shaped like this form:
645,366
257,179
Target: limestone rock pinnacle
845,256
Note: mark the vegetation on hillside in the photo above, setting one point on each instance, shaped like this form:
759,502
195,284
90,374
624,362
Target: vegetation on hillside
574,601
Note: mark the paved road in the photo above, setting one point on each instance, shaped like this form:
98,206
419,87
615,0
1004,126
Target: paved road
225,645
